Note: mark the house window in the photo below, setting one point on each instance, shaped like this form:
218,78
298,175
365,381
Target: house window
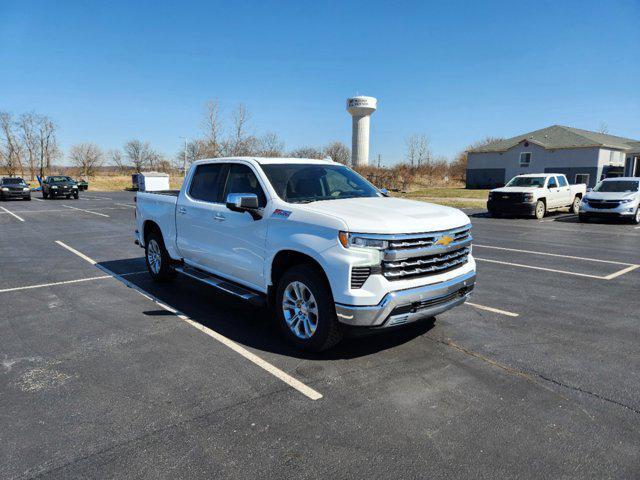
525,159
582,178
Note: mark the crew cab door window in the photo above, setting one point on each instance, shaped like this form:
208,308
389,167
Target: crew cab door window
241,179
562,181
552,183
206,183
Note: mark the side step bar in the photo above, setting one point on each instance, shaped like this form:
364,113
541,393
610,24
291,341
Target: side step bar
251,296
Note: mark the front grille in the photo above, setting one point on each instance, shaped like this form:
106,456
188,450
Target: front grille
359,275
427,240
423,266
604,203
507,197
433,302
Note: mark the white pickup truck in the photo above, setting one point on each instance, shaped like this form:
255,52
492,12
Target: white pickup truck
313,240
536,194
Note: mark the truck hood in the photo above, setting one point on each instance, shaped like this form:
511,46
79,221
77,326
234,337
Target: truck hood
516,189
391,215
611,195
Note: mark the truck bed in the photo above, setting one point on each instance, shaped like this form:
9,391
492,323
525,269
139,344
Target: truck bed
171,193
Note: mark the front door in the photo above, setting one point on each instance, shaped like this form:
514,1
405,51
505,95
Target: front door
554,196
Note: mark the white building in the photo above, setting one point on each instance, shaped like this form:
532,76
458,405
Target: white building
583,156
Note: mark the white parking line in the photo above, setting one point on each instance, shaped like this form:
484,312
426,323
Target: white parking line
66,282
12,214
273,370
37,199
586,259
577,274
125,205
491,309
88,211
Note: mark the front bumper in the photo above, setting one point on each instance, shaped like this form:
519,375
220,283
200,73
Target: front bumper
515,208
61,192
14,194
405,306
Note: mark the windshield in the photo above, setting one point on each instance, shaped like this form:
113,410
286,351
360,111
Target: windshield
13,181
304,183
526,182
617,186
60,179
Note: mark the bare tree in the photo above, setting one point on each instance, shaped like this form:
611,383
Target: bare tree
138,154
603,128
86,157
115,158
418,151
11,146
270,145
48,149
307,152
213,129
241,143
338,152
28,127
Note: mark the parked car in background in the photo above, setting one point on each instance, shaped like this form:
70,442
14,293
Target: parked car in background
14,187
536,194
82,184
313,240
613,198
59,186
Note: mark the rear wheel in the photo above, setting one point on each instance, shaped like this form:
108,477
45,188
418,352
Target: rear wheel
157,258
540,210
636,217
575,206
67,197
305,309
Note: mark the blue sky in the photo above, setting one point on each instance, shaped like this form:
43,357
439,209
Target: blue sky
457,70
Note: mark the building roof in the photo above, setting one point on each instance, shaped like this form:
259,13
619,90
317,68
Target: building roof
559,136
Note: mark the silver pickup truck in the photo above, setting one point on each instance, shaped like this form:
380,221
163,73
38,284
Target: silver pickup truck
613,198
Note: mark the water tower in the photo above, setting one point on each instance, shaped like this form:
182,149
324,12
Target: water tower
360,108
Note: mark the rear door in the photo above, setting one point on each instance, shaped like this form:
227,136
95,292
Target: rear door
198,211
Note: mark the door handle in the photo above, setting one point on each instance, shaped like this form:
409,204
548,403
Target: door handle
182,210
219,217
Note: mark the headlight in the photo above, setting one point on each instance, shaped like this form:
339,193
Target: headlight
74,186
354,240
25,189
5,189
626,200
528,197
55,187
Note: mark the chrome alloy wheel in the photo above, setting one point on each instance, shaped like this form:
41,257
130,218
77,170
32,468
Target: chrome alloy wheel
154,256
300,310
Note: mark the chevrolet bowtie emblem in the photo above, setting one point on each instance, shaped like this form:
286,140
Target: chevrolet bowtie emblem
444,240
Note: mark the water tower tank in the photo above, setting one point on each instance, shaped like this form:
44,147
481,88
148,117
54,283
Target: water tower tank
360,108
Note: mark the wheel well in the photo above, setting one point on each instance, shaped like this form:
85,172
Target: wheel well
286,259
149,226
579,195
543,199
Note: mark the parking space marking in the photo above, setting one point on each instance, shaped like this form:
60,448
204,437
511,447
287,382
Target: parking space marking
493,310
629,267
125,205
586,259
66,282
88,211
252,357
12,214
37,199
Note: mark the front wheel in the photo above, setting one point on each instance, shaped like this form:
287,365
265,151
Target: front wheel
636,217
540,210
158,259
305,309
45,195
76,196
575,206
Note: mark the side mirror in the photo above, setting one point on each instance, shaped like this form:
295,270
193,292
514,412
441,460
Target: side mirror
244,202
384,192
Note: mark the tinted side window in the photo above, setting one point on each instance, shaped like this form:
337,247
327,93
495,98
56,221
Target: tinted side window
242,180
206,182
562,181
552,183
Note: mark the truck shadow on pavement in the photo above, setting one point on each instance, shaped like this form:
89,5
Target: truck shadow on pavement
247,325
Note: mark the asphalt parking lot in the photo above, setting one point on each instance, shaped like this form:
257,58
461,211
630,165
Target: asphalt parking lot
107,375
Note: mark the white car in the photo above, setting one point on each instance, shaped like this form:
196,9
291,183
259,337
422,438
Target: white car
613,198
313,240
536,194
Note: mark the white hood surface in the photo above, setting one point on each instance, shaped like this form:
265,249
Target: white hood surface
515,189
391,215
612,195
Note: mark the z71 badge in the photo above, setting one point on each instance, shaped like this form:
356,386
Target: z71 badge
281,213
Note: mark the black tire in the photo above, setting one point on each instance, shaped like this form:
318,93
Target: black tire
327,331
28,199
540,210
76,196
67,197
575,205
45,195
636,217
163,271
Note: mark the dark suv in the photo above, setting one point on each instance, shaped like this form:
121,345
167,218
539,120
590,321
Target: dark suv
14,187
59,186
